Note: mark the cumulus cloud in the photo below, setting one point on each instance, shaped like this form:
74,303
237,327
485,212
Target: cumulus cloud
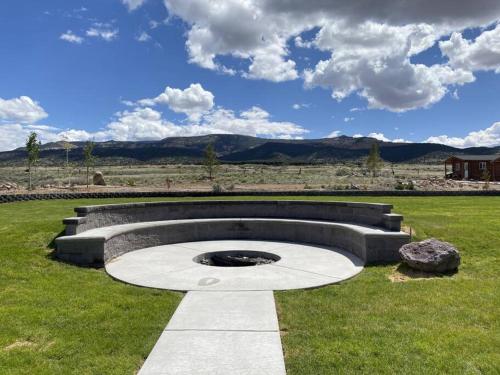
71,37
373,60
103,31
488,137
22,109
15,135
370,44
192,101
145,123
133,4
481,54
17,119
238,28
149,124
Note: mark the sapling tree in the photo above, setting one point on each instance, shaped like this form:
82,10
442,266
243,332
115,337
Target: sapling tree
485,176
67,147
33,150
374,161
89,158
210,162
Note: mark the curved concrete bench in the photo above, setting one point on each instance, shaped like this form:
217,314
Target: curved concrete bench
100,245
90,217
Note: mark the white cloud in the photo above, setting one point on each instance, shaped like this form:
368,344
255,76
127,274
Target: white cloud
269,63
370,43
144,123
15,135
133,4
17,119
481,54
154,24
301,43
373,60
143,37
192,101
22,109
334,134
238,28
148,124
71,37
104,31
348,119
488,137
379,136
298,106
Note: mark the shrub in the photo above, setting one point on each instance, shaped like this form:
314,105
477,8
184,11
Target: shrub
342,172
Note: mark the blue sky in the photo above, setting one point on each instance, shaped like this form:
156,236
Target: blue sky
96,70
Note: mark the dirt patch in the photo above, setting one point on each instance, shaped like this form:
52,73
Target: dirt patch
407,229
19,344
402,273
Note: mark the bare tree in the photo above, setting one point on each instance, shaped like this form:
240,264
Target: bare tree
33,149
374,161
210,162
89,158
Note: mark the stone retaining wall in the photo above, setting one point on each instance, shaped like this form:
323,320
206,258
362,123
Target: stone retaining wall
6,198
373,214
101,245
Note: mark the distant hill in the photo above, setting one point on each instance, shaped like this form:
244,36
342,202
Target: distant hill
243,149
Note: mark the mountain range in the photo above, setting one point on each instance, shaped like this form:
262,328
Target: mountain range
242,149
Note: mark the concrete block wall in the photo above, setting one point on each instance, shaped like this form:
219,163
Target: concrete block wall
90,217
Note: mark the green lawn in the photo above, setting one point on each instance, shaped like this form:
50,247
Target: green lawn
56,318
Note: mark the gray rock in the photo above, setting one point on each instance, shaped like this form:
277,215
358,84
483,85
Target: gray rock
430,255
98,179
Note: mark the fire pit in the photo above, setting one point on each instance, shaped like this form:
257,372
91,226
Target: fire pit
236,258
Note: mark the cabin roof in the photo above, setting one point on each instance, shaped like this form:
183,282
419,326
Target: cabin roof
475,157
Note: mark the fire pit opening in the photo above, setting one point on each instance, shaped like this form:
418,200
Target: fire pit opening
236,258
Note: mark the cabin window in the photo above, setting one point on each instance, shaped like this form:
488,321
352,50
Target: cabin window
457,166
482,165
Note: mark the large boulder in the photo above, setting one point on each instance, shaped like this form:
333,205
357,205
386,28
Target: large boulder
98,179
430,256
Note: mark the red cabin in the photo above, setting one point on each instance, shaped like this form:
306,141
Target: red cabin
473,167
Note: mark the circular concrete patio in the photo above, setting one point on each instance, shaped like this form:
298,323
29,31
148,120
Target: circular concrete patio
173,267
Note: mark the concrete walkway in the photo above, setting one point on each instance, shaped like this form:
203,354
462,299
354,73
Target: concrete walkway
227,322
218,333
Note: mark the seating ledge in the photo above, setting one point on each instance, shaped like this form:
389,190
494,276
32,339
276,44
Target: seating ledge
109,232
100,245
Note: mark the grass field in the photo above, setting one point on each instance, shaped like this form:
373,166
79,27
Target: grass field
60,319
